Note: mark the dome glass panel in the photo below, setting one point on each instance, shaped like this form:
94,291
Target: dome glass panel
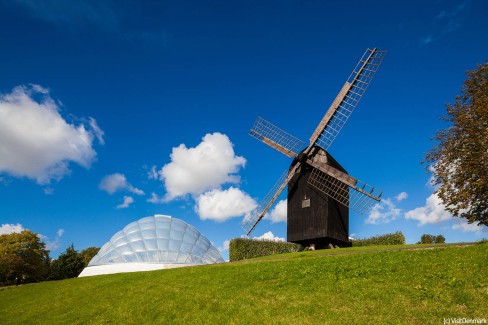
157,239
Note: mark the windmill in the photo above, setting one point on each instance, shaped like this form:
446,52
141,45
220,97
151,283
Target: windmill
320,191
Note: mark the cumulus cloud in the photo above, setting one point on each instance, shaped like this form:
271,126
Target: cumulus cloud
279,212
221,205
433,212
117,182
36,141
204,167
7,228
464,226
383,212
401,196
128,200
269,236
225,246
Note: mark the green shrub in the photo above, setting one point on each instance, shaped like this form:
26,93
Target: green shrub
396,238
241,248
431,239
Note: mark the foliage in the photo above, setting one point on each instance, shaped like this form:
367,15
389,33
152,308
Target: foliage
241,248
459,163
439,239
396,238
88,253
431,239
427,239
68,265
354,287
483,241
23,258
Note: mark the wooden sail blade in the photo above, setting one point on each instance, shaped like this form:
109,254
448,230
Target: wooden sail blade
276,138
254,217
334,172
347,99
355,194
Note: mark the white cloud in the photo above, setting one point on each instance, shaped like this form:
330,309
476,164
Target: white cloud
383,212
7,228
153,173
431,182
401,196
269,236
99,133
279,212
117,182
204,167
221,205
155,198
36,141
53,245
225,246
464,226
432,212
128,200
48,191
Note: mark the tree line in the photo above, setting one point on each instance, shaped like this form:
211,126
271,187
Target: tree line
25,259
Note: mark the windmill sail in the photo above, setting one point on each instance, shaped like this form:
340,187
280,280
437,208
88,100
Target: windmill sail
359,196
276,138
252,219
347,99
324,178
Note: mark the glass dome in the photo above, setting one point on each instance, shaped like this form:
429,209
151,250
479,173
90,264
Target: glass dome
159,239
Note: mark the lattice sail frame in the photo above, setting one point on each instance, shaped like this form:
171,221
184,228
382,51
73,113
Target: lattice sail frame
254,216
276,137
355,86
344,194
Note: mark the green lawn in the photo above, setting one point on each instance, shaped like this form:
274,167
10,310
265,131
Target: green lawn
372,285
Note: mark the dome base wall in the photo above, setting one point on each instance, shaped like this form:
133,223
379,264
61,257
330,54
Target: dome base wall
128,267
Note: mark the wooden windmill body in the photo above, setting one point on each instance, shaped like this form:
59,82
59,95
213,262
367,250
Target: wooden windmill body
320,191
315,218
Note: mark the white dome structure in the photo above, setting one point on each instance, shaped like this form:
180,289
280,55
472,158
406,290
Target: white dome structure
153,243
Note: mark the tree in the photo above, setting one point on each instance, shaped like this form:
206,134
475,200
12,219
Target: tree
431,239
459,162
68,265
23,258
88,253
427,239
439,239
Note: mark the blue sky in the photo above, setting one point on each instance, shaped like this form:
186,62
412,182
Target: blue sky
116,110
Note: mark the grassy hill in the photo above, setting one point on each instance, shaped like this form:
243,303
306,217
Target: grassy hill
373,285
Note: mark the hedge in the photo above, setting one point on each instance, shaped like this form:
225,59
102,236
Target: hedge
396,238
241,248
